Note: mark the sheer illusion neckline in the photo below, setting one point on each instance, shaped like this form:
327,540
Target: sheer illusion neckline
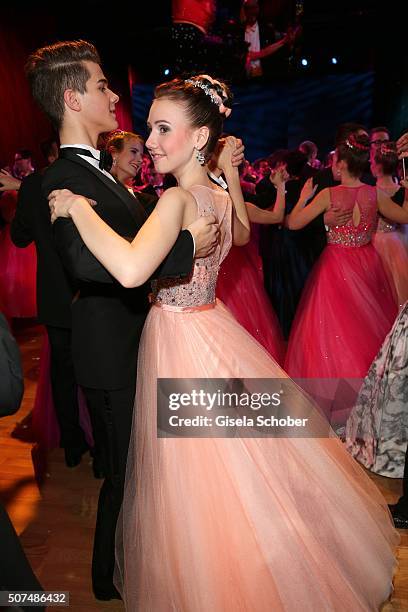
199,185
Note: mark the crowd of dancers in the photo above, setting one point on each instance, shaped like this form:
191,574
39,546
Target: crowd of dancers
266,284
312,291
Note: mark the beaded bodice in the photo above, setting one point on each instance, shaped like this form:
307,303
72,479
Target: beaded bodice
363,200
385,225
199,287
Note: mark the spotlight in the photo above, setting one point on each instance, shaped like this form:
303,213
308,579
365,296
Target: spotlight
166,72
334,60
304,62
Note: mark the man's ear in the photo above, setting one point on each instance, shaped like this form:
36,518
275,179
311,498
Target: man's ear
72,99
202,136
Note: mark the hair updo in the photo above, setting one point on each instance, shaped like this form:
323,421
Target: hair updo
355,151
386,156
206,100
116,140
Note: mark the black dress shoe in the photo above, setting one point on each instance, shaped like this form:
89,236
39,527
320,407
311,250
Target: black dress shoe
400,519
107,594
73,455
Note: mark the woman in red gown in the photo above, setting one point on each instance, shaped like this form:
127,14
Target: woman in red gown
348,305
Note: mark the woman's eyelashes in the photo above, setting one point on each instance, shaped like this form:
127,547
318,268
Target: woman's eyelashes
162,129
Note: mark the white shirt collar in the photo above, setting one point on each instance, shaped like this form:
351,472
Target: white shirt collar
218,179
94,160
95,152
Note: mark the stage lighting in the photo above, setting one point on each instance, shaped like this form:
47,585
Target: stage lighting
166,71
304,62
334,60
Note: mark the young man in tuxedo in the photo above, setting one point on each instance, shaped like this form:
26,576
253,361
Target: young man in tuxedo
55,291
67,81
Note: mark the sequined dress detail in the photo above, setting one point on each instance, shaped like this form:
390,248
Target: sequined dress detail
347,198
199,288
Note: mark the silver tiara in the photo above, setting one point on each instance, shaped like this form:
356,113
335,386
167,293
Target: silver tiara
207,90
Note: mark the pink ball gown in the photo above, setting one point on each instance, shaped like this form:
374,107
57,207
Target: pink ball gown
227,524
241,289
18,268
391,243
347,307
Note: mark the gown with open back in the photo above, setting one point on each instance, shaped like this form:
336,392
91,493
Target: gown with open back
347,307
245,524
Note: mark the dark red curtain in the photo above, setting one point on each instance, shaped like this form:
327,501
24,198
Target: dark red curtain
124,106
22,124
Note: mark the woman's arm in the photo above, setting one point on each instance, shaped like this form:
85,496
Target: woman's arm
301,215
240,227
258,215
133,263
266,51
404,184
390,210
8,182
240,223
405,203
264,217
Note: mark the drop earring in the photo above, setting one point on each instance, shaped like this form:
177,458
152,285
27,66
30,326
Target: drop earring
200,157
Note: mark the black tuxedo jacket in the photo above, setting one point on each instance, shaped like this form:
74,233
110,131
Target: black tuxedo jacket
55,290
107,319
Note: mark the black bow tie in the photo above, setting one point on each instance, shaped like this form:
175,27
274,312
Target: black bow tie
105,159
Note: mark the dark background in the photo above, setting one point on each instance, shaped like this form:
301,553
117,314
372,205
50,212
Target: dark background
368,84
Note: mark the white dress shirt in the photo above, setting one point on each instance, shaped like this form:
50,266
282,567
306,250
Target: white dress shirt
94,161
252,37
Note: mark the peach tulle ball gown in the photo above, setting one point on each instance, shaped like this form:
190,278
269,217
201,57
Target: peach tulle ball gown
239,524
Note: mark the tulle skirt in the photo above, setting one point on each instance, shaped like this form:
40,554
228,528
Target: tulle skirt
392,247
241,289
244,524
18,270
346,310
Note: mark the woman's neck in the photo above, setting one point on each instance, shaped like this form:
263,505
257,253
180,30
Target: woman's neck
386,182
192,174
350,181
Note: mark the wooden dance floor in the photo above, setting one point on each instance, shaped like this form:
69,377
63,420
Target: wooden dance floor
56,520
